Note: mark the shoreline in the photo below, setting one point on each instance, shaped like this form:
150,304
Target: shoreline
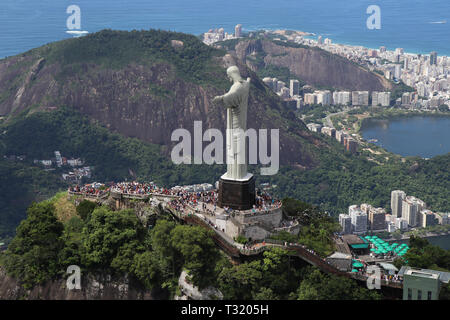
307,35
354,44
400,115
385,116
428,235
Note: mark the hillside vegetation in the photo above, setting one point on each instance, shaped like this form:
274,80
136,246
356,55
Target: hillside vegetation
114,243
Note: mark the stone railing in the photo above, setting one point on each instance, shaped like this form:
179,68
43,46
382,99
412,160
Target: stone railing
101,195
259,211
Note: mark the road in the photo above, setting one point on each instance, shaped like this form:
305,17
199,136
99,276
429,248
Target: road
327,119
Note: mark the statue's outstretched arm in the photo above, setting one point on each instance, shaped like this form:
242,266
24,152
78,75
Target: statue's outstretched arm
229,99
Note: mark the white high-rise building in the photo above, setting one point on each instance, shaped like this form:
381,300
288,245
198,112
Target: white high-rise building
433,58
358,218
238,31
284,92
280,85
399,51
397,197
323,97
375,98
398,71
391,227
377,218
360,98
384,98
366,208
406,63
381,98
346,223
411,208
401,224
310,98
58,157
427,218
341,97
406,98
443,218
294,87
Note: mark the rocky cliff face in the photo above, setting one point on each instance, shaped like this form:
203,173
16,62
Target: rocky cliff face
147,99
92,288
316,67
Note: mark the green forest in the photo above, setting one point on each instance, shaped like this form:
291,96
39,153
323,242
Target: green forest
115,49
102,241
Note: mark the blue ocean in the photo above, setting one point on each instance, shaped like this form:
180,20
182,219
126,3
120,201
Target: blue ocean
418,26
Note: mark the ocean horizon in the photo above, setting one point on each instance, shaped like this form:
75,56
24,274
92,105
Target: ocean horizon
418,26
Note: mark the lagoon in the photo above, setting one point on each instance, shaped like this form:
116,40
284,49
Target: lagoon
423,136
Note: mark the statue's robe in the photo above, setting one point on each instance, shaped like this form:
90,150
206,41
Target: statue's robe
236,102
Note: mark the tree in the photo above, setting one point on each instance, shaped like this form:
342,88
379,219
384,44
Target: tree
284,236
146,269
397,234
72,251
199,253
239,282
85,208
299,209
111,239
279,274
319,286
272,277
424,255
265,294
444,294
32,256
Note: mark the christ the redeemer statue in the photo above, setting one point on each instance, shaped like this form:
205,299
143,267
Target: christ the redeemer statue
236,102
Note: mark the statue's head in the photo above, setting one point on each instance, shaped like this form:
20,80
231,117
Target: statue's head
233,74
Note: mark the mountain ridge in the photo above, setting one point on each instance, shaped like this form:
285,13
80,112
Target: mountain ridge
143,97
314,66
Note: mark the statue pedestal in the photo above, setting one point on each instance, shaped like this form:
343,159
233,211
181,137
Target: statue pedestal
237,194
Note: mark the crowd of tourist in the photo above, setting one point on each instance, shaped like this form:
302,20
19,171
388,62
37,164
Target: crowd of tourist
263,201
134,188
93,189
204,201
384,274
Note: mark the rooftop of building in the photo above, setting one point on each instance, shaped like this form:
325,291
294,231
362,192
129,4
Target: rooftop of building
352,239
425,273
340,255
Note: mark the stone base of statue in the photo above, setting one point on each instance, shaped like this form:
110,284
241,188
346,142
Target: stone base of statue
237,194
